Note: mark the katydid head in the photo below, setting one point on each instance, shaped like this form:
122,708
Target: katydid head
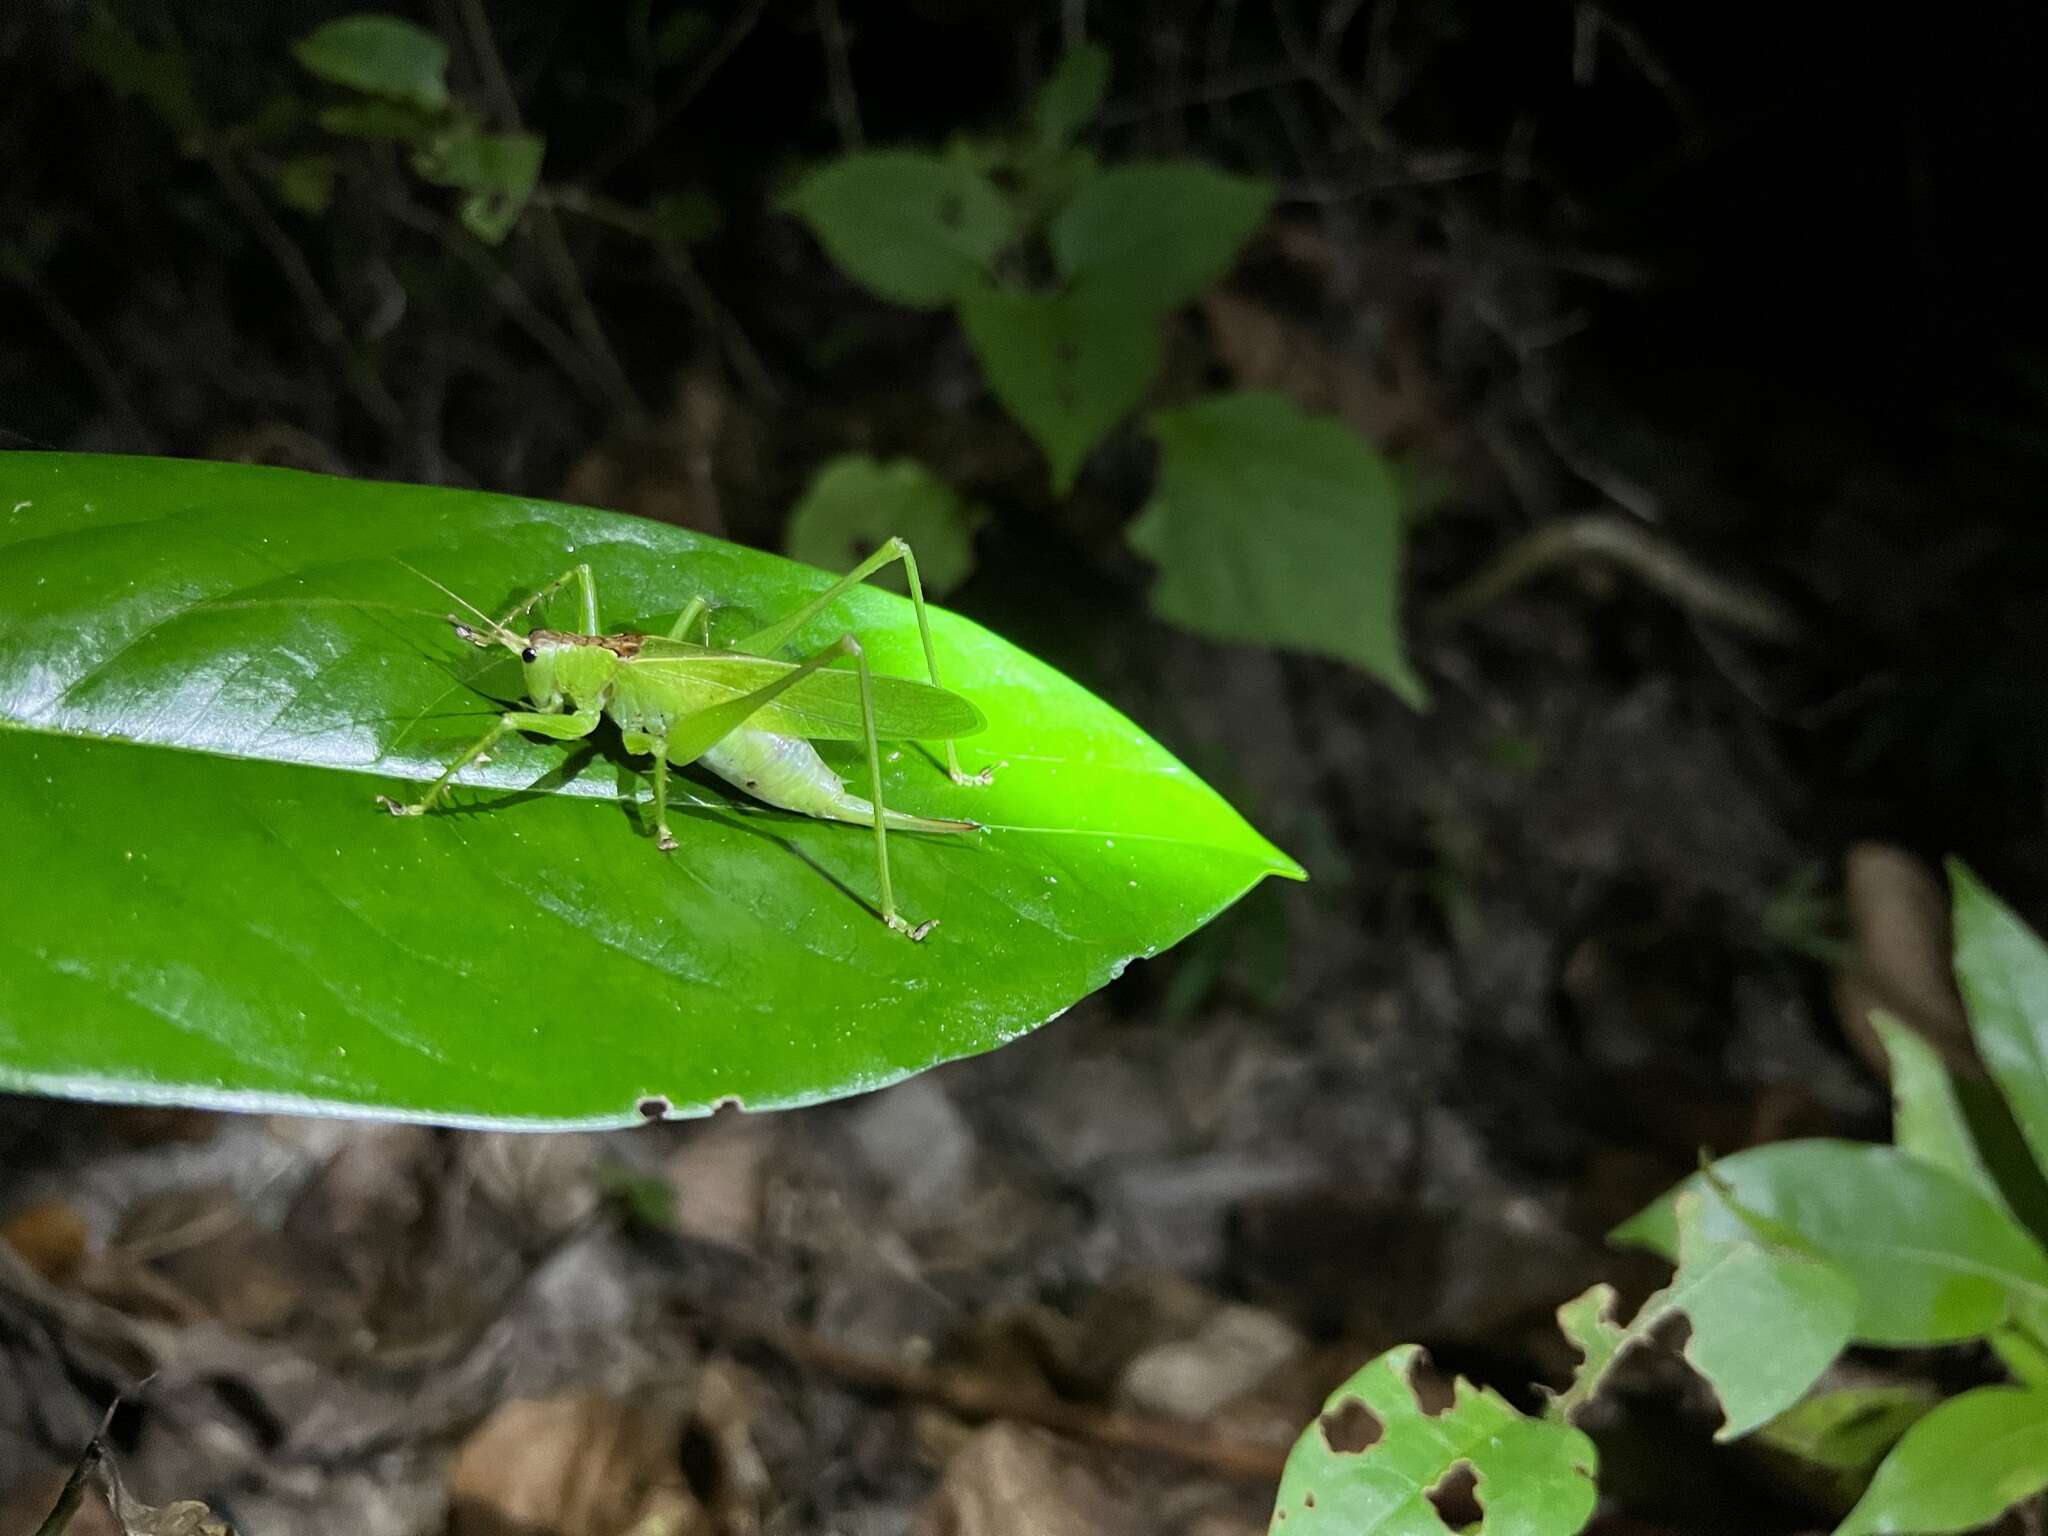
563,667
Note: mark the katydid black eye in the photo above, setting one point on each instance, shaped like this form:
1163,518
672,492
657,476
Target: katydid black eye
528,654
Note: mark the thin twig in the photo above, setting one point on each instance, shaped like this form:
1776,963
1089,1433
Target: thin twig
968,1395
1658,564
515,301
326,322
713,316
735,33
546,232
106,379
73,1491
839,75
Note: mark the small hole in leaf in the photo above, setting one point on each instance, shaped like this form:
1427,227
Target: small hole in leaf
1308,1500
1456,1497
1351,1428
1433,1394
653,1107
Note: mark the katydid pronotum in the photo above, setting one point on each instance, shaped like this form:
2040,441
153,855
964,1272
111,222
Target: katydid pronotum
737,709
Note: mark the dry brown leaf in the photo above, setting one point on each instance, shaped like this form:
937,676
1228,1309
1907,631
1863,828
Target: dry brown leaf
50,1237
1900,956
581,1465
1395,405
1013,1481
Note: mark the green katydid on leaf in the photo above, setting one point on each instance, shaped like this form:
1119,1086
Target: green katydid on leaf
208,673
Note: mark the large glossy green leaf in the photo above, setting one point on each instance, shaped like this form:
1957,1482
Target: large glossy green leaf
2002,967
1959,1467
1932,1259
1368,1465
207,672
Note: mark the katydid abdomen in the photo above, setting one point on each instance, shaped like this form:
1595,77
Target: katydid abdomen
786,771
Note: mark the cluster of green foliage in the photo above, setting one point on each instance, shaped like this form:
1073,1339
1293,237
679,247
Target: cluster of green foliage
1786,1254
1267,525
392,87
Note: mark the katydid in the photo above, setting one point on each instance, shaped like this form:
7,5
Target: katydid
744,714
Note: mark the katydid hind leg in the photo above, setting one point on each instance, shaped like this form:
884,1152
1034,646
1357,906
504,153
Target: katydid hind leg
892,549
694,735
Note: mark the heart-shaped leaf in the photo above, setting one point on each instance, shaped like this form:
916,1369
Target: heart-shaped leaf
207,673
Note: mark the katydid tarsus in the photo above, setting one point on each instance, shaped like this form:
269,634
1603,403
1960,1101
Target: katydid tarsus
743,713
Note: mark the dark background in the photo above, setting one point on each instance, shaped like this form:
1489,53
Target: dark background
1755,280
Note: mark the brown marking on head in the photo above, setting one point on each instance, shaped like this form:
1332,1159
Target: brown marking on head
625,647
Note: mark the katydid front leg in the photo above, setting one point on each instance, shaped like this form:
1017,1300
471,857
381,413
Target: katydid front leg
560,727
764,641
692,736
637,742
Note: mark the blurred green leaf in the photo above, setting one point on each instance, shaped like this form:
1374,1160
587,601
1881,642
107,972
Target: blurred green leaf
372,119
497,170
1154,237
854,504
1959,1467
1277,528
208,671
2002,968
917,229
686,217
158,76
1072,97
681,32
1845,1434
1366,1467
380,56
1065,366
1766,1316
306,182
1933,1260
1927,1117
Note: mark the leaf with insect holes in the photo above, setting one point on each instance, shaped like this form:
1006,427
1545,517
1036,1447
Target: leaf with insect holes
379,56
855,502
1959,1467
1277,528
209,671
2002,967
917,229
1153,237
1369,1465
1932,1259
1765,1315
1066,367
